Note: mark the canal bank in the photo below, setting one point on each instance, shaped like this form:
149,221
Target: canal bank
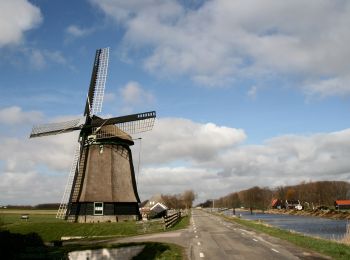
333,229
330,213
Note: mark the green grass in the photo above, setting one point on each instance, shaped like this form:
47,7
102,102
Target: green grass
35,216
49,228
54,231
326,247
183,223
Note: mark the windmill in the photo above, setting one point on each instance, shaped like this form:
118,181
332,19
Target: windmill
101,184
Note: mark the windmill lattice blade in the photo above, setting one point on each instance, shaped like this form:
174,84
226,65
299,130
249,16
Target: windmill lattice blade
139,126
96,103
62,210
131,124
56,128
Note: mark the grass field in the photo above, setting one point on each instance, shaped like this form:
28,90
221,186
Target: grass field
44,223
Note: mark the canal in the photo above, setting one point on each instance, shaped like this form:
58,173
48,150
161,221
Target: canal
314,226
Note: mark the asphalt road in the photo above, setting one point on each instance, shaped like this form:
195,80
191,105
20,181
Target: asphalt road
215,238
211,237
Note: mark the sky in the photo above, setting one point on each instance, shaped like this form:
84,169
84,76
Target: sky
247,92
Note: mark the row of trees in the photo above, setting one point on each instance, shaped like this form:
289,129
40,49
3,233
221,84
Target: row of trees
316,193
39,206
179,201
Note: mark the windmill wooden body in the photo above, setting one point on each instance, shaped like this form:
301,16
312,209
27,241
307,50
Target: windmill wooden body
101,185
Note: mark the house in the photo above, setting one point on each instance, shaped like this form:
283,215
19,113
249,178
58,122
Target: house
292,204
277,204
158,210
155,207
342,204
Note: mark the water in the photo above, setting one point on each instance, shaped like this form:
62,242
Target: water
314,226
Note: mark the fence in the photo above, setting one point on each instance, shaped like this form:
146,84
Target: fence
170,220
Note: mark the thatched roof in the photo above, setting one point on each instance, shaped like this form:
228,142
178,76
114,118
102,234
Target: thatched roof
110,131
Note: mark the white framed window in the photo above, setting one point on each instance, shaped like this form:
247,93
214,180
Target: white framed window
98,208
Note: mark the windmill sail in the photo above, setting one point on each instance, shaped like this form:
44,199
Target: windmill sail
56,128
62,210
97,84
132,124
137,126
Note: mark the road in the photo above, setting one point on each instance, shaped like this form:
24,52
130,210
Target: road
215,238
211,237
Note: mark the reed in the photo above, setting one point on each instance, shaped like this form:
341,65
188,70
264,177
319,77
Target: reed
346,237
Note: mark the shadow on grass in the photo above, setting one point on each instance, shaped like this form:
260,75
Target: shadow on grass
17,246
31,246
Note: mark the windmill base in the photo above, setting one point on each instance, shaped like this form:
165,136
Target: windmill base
101,219
95,212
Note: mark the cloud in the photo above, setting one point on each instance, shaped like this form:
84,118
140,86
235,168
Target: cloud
252,92
30,188
177,139
15,115
76,31
30,58
178,154
134,95
283,160
290,159
17,17
220,41
34,171
39,59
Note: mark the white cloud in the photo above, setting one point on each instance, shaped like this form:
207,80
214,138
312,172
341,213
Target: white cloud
17,17
134,95
222,41
175,139
15,115
76,31
283,160
30,188
179,154
252,92
34,171
39,59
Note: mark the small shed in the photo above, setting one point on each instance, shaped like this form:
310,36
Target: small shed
342,204
158,210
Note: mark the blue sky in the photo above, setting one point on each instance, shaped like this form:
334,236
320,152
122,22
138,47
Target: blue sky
246,92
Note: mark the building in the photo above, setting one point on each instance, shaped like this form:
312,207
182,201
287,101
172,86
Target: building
342,204
277,204
155,207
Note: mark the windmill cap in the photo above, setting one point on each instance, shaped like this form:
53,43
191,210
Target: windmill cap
111,131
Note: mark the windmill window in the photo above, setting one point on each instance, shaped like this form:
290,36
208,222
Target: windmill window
98,208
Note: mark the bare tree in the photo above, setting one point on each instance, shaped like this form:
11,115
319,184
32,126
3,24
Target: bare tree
188,197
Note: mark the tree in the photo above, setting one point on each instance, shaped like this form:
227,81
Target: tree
188,197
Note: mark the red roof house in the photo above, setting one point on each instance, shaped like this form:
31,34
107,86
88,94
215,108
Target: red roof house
342,204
